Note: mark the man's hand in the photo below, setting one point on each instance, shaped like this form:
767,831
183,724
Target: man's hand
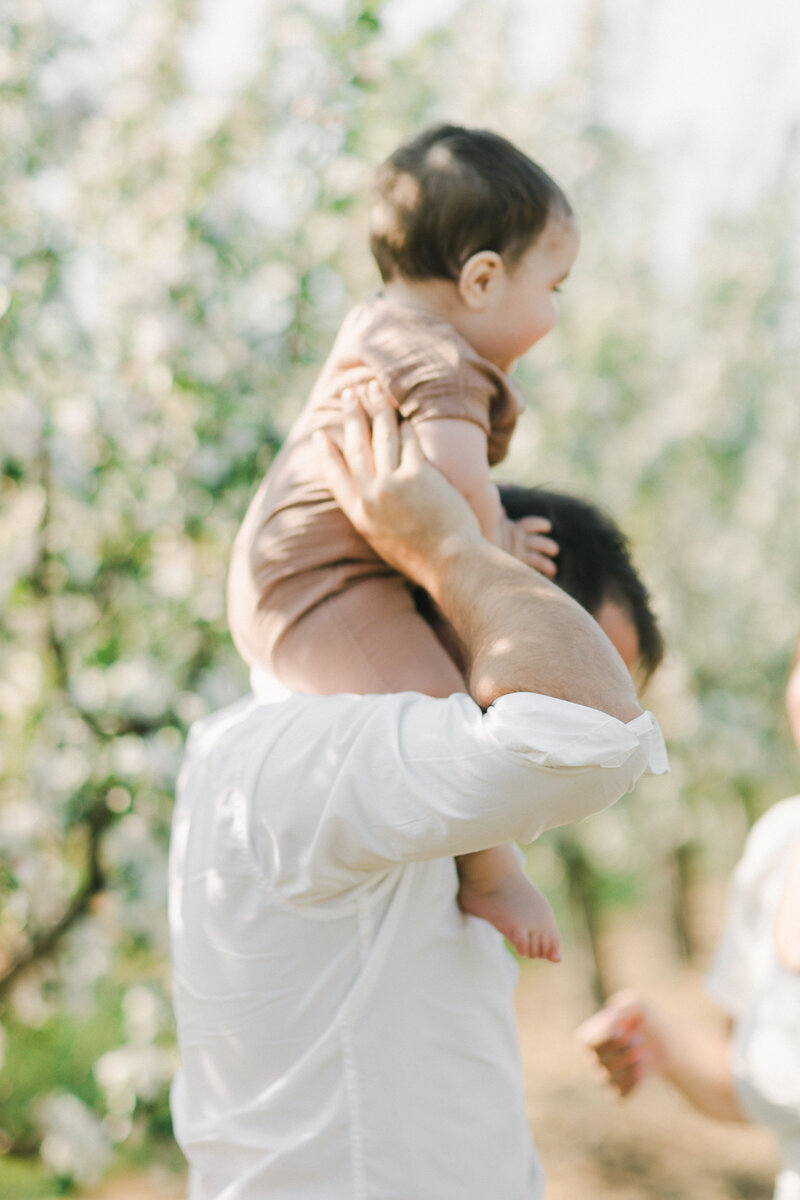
397,501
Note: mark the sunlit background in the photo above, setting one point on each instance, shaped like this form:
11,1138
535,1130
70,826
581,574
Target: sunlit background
181,232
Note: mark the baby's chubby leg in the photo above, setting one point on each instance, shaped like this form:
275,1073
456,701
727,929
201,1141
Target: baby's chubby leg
494,887
368,638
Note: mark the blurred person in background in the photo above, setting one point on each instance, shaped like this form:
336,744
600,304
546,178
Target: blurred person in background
749,1067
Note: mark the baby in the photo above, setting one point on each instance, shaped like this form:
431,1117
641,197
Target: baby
472,240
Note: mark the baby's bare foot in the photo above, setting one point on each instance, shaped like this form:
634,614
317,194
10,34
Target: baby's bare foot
519,910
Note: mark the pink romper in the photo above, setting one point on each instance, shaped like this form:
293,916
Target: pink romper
308,599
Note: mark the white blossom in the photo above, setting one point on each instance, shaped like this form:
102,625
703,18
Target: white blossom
74,1144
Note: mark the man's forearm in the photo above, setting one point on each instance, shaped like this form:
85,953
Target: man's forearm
522,633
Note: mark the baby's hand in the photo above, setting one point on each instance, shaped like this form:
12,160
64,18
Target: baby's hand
527,540
626,1040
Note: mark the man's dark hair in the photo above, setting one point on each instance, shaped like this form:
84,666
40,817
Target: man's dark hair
594,561
450,192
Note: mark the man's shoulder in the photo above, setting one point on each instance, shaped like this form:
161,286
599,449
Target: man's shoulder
264,720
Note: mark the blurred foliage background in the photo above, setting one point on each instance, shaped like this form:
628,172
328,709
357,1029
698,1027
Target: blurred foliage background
181,232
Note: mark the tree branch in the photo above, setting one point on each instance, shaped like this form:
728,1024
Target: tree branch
44,941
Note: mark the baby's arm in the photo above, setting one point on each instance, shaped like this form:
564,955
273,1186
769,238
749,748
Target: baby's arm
458,449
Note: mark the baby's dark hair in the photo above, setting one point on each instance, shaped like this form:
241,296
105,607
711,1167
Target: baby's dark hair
450,192
594,561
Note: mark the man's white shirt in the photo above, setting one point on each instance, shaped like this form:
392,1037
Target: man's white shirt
346,1032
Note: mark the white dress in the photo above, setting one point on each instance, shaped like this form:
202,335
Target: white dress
748,980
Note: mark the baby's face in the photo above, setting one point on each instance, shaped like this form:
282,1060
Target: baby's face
526,307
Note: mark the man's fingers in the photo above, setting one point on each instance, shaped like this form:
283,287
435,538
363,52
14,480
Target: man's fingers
356,440
411,455
385,441
335,471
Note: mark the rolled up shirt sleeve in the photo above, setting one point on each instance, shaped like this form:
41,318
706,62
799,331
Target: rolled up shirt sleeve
397,779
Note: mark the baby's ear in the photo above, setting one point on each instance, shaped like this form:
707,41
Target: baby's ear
479,277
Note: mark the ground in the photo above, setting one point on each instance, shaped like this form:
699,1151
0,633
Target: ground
594,1146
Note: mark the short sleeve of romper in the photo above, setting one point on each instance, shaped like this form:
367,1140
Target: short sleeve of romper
431,371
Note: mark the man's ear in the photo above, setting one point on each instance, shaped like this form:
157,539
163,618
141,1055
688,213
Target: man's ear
479,277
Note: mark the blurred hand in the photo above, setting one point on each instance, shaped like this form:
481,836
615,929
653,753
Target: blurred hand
628,1039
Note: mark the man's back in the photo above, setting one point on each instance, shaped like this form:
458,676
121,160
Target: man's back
346,1031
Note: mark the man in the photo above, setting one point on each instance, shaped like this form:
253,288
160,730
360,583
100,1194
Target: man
346,1031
